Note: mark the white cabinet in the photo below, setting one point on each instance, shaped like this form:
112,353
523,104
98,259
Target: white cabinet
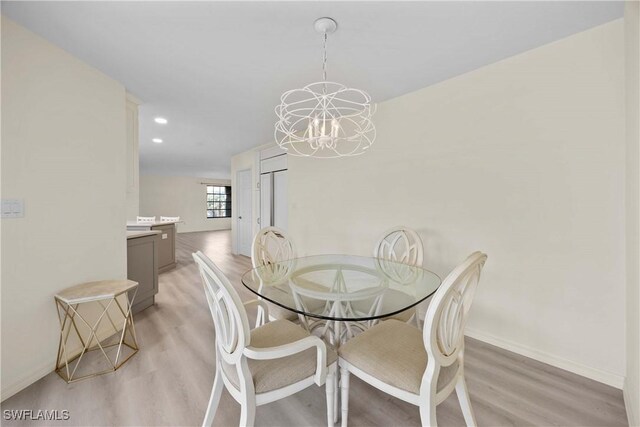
280,206
266,197
274,206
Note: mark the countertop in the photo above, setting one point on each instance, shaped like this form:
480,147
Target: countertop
141,233
150,224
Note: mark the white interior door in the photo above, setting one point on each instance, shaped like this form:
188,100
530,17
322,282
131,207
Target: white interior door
244,215
280,206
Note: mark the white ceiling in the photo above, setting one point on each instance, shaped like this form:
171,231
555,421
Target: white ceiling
216,70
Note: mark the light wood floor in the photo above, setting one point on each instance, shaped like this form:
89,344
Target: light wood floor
169,380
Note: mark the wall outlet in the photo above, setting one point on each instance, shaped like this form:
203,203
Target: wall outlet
12,208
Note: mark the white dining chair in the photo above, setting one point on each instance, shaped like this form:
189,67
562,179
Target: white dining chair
271,246
419,367
169,219
265,364
146,219
402,245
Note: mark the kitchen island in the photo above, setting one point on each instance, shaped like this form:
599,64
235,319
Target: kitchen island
167,243
142,266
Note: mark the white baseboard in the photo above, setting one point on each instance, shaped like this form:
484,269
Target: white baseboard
25,382
632,415
44,370
604,377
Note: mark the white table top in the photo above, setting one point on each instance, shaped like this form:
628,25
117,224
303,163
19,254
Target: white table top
334,280
95,291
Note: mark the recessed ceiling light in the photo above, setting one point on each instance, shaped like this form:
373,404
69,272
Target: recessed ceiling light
160,120
157,140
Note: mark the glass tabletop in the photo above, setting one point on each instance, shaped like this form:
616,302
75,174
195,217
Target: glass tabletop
342,287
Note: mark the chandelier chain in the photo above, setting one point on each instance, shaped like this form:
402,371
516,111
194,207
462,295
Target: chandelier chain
324,58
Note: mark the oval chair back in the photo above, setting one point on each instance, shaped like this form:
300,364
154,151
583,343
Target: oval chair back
271,246
400,244
228,312
449,309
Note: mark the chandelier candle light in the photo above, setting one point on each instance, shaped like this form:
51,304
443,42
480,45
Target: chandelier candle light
325,119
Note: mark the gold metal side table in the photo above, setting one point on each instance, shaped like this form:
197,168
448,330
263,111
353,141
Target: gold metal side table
111,298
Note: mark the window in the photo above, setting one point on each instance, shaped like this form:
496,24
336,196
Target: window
218,202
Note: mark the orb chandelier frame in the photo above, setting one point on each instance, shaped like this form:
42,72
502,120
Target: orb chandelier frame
325,119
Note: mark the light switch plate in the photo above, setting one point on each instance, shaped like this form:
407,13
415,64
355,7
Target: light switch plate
12,208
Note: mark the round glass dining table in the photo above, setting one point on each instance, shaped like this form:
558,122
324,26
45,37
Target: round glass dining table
330,290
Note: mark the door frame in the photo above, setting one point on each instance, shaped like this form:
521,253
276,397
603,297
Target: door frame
237,214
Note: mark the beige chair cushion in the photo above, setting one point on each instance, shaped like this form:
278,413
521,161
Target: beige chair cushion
392,300
406,315
277,312
277,373
403,316
394,353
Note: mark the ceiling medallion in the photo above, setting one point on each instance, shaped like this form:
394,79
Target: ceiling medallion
325,119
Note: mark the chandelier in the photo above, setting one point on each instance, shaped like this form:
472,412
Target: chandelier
325,119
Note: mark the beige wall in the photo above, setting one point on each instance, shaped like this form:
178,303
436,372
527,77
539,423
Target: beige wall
180,196
522,159
63,153
632,44
133,160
